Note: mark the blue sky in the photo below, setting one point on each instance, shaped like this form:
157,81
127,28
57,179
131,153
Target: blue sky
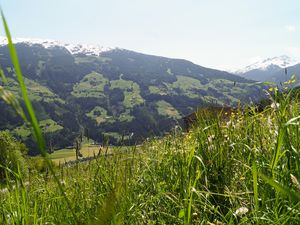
213,33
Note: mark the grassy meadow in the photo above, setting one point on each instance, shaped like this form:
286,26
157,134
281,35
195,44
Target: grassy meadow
65,155
240,170
87,150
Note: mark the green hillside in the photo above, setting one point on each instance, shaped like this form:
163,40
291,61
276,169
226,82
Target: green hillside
119,92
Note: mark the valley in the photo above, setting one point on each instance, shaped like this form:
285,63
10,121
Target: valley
113,93
193,119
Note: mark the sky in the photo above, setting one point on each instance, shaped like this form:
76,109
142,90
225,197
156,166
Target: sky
220,34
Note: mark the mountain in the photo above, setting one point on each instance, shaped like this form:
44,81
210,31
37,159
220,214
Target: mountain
283,75
74,49
264,70
111,93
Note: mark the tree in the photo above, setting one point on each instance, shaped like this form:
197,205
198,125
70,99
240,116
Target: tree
11,155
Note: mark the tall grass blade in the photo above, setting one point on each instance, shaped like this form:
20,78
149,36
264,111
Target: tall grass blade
2,76
255,184
16,64
284,190
279,143
33,120
293,121
11,100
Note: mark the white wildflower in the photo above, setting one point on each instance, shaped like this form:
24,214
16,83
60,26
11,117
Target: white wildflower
295,181
226,137
210,138
230,123
210,147
193,189
4,190
275,105
217,222
63,182
241,211
269,122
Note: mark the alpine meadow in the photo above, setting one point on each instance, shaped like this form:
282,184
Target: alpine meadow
99,135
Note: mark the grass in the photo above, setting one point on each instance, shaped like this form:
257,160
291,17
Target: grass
235,171
219,91
36,91
87,59
47,126
65,155
92,85
125,116
31,114
50,126
166,109
99,114
22,131
157,90
131,90
243,170
188,86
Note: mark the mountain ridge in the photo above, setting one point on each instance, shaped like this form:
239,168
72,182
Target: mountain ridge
282,61
74,49
265,70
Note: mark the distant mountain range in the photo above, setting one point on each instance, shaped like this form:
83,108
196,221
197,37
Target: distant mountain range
111,93
275,69
74,49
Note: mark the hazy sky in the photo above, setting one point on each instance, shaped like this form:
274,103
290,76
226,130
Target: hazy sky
213,33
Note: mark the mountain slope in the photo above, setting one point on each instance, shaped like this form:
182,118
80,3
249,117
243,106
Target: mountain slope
283,75
117,94
265,69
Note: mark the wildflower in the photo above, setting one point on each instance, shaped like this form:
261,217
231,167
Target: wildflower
270,121
215,222
4,190
275,105
193,189
241,211
210,138
273,89
290,81
230,123
189,136
63,182
295,182
226,137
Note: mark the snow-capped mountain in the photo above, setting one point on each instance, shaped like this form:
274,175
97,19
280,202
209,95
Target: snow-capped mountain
74,49
264,70
269,63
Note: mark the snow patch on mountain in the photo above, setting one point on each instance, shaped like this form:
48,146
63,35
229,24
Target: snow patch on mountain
269,63
74,49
